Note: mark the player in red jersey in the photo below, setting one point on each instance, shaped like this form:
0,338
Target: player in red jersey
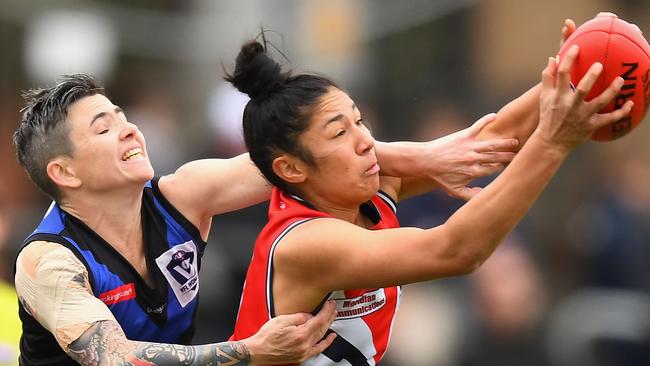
332,231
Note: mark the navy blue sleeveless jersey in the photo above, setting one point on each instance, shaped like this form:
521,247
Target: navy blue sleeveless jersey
163,312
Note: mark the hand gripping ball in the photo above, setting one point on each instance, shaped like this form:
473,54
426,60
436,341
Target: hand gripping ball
623,51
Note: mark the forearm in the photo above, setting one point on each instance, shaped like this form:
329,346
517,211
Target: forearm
408,163
517,119
479,226
412,187
403,159
105,344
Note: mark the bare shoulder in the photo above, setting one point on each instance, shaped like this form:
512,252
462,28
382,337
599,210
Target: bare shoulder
316,239
182,190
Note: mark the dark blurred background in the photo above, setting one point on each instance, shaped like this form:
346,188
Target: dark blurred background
570,287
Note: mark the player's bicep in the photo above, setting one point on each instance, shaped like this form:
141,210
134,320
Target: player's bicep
332,254
208,187
53,286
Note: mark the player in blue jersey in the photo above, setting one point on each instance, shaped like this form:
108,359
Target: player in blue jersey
110,276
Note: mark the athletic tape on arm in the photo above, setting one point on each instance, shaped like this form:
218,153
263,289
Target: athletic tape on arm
49,281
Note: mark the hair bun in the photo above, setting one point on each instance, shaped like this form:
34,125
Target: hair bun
255,73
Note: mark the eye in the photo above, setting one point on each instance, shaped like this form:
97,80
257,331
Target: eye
340,132
104,131
364,124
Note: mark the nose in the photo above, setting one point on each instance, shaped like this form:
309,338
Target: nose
129,131
365,141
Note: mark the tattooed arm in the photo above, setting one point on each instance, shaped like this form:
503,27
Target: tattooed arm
53,287
284,339
104,343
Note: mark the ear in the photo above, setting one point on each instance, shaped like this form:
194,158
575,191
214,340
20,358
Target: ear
290,169
62,173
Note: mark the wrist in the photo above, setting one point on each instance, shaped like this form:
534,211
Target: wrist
401,159
247,348
549,146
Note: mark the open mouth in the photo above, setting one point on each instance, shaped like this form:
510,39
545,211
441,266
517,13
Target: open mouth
133,154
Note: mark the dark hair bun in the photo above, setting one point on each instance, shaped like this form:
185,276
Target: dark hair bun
256,74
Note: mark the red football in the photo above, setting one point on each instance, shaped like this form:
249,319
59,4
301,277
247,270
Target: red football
623,51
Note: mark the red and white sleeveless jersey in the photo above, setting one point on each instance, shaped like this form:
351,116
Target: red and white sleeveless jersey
365,317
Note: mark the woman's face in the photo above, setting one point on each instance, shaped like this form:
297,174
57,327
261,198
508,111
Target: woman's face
346,169
109,151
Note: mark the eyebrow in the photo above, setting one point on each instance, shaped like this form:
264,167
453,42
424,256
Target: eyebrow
103,114
339,116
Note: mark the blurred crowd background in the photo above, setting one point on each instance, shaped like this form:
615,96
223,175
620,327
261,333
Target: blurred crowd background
571,286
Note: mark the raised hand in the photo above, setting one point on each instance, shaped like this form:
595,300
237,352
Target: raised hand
566,119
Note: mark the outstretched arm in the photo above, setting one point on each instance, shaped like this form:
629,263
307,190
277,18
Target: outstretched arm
450,162
453,166
204,188
453,161
104,343
359,258
53,287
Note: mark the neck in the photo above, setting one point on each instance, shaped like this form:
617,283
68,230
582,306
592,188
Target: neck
349,212
115,217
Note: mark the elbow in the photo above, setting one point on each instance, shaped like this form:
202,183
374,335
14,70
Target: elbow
467,249
467,263
461,251
455,263
463,259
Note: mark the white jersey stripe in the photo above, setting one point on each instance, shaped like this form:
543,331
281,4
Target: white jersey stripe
269,269
389,201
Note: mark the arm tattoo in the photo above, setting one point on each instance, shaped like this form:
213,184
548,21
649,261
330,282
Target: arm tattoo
105,344
80,280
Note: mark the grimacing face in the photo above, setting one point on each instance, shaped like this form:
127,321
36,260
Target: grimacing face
109,152
346,169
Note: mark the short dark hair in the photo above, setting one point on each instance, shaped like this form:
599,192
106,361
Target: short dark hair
43,133
280,108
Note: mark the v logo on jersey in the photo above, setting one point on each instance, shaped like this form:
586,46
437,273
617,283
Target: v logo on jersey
179,266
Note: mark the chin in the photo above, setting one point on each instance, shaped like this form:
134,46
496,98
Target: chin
370,192
144,174
149,174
